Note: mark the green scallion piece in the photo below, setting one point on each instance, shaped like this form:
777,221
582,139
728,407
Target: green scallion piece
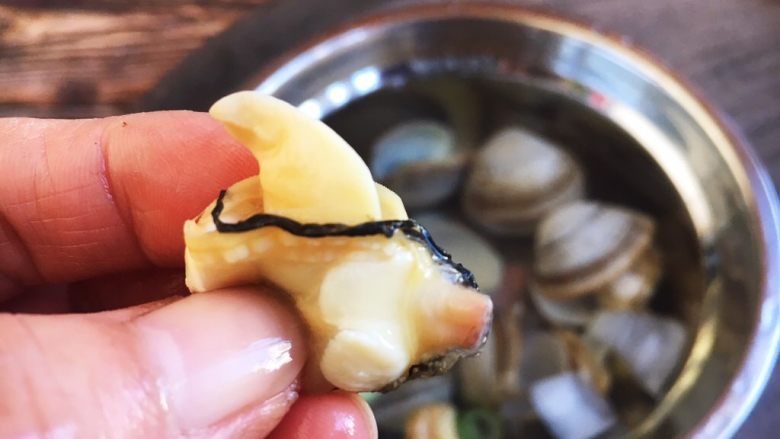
479,424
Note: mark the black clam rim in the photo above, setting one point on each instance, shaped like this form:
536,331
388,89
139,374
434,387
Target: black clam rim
440,363
413,230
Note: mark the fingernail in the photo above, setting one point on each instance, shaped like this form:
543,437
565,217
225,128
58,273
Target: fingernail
336,415
220,353
368,416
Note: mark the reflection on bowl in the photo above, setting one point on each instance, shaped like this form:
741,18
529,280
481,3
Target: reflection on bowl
644,143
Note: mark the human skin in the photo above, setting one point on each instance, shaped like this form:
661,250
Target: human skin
98,337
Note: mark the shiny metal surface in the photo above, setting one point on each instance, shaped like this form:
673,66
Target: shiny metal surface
731,300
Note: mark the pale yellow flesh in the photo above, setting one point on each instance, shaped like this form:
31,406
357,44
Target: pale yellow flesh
310,175
368,301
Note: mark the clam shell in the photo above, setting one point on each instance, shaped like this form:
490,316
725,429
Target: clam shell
634,288
420,160
575,312
583,246
516,179
411,142
427,183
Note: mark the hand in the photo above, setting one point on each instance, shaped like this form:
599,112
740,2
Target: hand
91,216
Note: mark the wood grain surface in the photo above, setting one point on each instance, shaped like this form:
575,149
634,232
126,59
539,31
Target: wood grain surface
79,58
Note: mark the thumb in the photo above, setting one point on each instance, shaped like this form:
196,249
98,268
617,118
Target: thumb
220,364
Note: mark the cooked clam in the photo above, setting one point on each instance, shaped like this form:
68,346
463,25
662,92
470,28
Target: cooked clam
633,289
516,179
419,160
382,302
588,248
423,158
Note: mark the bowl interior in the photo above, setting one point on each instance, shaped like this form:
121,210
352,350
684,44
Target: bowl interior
644,141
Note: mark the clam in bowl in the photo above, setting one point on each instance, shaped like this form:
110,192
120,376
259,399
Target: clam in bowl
628,237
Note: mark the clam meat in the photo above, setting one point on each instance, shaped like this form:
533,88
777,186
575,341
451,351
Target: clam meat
591,248
516,179
382,302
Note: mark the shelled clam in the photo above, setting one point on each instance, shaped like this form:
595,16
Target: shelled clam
591,255
423,158
517,178
372,287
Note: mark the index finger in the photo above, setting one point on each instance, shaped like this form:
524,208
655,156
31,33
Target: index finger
90,197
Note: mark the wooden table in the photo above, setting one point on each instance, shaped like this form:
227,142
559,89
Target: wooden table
79,58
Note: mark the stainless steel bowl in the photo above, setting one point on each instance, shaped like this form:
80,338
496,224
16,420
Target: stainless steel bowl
638,125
